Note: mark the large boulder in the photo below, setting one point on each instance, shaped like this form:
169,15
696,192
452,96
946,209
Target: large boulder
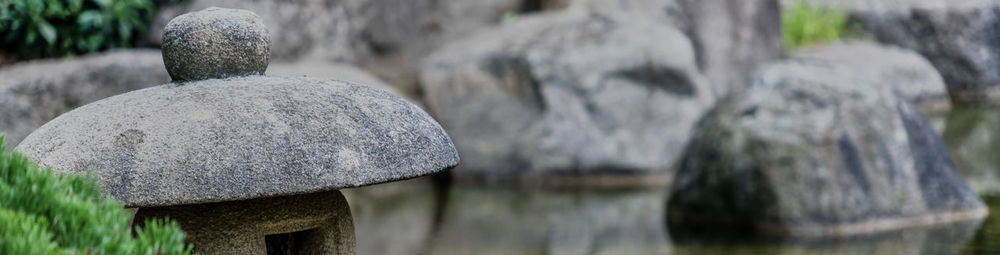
810,150
414,28
34,92
958,36
668,11
571,93
899,69
733,38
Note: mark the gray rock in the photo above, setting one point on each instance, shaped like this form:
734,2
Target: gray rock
388,38
34,92
812,151
215,43
299,28
901,70
242,138
324,70
571,93
399,34
890,5
958,36
415,28
667,11
733,38
357,30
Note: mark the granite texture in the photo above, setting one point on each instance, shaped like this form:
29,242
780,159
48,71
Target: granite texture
215,43
242,138
298,29
667,11
958,36
316,223
34,92
355,31
813,150
732,39
323,70
901,70
898,6
575,93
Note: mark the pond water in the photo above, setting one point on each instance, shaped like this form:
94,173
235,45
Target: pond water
423,216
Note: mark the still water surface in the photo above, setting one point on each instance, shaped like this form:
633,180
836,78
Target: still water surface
422,217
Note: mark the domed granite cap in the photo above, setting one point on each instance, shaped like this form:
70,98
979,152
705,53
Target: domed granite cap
241,138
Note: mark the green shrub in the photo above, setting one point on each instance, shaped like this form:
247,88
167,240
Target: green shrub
46,213
46,28
803,25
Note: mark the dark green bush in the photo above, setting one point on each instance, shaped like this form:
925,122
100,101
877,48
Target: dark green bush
45,28
46,213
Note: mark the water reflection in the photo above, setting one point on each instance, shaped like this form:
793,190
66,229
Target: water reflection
410,218
971,135
940,239
987,238
418,217
535,221
394,218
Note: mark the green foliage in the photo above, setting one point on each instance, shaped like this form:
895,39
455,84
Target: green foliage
46,213
43,28
804,25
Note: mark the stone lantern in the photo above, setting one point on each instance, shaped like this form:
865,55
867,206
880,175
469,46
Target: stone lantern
246,163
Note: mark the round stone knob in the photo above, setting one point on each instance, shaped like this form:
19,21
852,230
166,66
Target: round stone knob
215,43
